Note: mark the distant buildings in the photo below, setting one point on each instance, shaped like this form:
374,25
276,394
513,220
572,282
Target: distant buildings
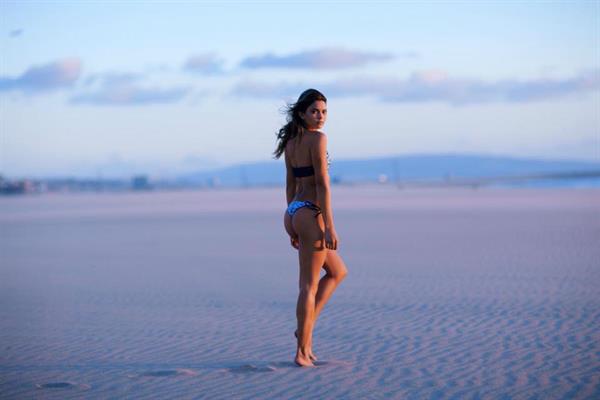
22,186
140,182
31,186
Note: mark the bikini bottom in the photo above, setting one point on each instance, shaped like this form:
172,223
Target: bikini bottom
296,205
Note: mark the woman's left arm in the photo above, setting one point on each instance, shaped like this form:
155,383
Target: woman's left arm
290,180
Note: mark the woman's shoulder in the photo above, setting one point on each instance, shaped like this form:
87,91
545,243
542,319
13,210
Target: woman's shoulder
318,136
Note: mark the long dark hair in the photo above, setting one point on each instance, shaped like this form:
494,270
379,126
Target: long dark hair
295,125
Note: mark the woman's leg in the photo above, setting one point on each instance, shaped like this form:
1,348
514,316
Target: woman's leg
336,271
311,257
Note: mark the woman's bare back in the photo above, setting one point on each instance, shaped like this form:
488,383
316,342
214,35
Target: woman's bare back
299,150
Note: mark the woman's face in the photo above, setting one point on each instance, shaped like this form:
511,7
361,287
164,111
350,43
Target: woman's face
315,115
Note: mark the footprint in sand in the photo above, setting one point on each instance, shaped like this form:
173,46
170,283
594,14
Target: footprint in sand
250,368
333,363
165,373
62,385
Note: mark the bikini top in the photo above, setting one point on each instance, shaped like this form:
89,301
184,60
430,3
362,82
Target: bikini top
301,172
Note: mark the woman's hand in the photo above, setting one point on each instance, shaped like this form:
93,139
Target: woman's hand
330,239
294,241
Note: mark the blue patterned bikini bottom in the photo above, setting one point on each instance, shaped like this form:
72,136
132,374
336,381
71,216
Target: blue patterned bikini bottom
296,205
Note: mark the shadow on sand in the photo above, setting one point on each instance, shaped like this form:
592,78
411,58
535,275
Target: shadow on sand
230,367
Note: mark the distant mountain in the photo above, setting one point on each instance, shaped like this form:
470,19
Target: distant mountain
405,168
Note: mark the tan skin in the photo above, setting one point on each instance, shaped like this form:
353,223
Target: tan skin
315,238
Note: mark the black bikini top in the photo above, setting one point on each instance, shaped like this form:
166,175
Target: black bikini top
301,172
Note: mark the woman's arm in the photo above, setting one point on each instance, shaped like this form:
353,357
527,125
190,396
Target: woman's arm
319,161
290,180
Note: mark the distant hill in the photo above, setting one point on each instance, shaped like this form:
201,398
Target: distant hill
405,168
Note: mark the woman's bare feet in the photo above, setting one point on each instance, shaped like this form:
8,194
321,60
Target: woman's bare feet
302,359
312,356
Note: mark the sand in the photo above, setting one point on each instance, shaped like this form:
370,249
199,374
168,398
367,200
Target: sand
451,294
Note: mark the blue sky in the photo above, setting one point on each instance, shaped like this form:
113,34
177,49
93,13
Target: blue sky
116,88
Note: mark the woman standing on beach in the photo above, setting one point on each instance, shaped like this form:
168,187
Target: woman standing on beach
308,218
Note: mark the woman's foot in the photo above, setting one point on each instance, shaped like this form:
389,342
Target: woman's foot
302,359
312,356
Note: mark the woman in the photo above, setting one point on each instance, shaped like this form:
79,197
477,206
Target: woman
308,218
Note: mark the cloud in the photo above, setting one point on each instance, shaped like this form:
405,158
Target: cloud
550,88
128,94
112,78
424,87
122,89
43,78
206,64
248,88
324,58
15,33
433,85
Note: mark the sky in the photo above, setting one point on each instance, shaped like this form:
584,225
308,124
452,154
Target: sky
110,89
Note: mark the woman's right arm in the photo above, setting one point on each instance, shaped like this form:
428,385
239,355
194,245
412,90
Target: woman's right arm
290,180
319,161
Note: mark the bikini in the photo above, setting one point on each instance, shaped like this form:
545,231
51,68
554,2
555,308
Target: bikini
301,172
296,205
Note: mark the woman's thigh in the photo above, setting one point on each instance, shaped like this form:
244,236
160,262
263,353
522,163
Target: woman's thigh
311,251
308,228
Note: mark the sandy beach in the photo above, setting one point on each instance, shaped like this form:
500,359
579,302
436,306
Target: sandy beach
451,294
